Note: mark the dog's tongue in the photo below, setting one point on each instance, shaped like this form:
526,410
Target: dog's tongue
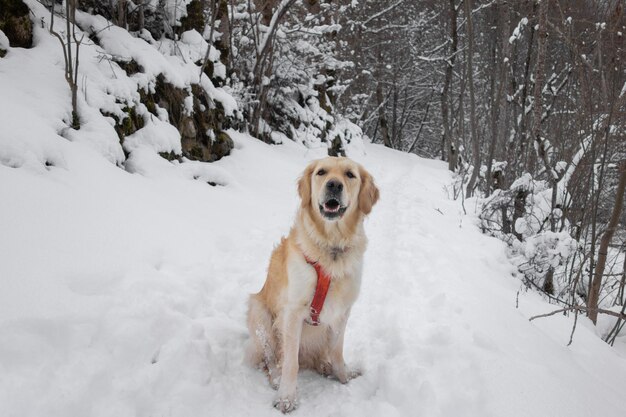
331,206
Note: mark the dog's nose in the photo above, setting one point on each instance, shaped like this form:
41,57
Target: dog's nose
334,186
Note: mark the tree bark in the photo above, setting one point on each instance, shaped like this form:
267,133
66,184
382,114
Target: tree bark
223,44
493,104
266,8
470,79
263,63
521,133
382,120
141,17
542,34
594,293
451,147
121,13
394,115
71,65
499,81
541,145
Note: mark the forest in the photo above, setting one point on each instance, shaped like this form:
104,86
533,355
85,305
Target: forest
525,101
504,118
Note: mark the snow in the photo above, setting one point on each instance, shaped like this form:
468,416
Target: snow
523,183
124,288
158,135
350,135
521,226
517,32
125,294
175,61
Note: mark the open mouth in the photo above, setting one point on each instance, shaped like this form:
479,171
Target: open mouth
332,209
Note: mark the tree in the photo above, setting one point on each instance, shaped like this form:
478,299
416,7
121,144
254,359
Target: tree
594,293
263,60
470,80
450,145
71,57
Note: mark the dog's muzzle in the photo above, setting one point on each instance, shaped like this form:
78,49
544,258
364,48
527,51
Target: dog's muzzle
332,206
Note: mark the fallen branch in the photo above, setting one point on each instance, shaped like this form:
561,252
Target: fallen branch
580,308
571,335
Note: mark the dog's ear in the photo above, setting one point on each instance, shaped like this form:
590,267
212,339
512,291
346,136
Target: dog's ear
368,194
304,186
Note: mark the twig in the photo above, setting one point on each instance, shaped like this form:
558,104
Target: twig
579,308
537,287
619,324
210,42
463,195
417,137
571,335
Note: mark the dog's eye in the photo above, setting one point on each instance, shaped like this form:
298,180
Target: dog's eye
321,172
349,174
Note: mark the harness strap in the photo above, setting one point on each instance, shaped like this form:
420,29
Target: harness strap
321,290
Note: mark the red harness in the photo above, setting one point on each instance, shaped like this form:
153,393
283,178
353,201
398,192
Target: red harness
321,290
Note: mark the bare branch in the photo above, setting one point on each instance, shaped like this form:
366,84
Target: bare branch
580,309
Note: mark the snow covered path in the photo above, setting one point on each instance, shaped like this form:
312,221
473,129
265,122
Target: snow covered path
124,295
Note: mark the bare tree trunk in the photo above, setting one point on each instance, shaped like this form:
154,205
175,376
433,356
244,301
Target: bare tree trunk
223,45
519,209
394,116
313,6
71,64
141,17
542,34
594,293
445,93
70,10
266,8
499,79
384,131
470,79
205,61
522,134
541,146
263,63
459,137
419,131
622,285
121,13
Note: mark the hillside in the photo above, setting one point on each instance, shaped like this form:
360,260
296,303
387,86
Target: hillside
124,276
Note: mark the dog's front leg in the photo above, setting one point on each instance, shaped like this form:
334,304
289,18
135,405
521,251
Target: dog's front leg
340,370
291,333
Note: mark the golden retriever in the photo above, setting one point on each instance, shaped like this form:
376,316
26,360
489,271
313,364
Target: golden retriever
285,334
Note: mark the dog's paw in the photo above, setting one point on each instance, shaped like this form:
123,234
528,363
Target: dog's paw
274,381
345,374
324,369
273,376
354,373
286,404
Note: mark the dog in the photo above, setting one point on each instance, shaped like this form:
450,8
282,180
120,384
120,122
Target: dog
322,255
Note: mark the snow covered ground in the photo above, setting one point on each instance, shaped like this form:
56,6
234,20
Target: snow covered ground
124,294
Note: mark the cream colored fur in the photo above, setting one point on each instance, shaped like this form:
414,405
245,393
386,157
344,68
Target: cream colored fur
280,340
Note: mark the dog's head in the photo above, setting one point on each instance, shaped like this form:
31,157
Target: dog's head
333,187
